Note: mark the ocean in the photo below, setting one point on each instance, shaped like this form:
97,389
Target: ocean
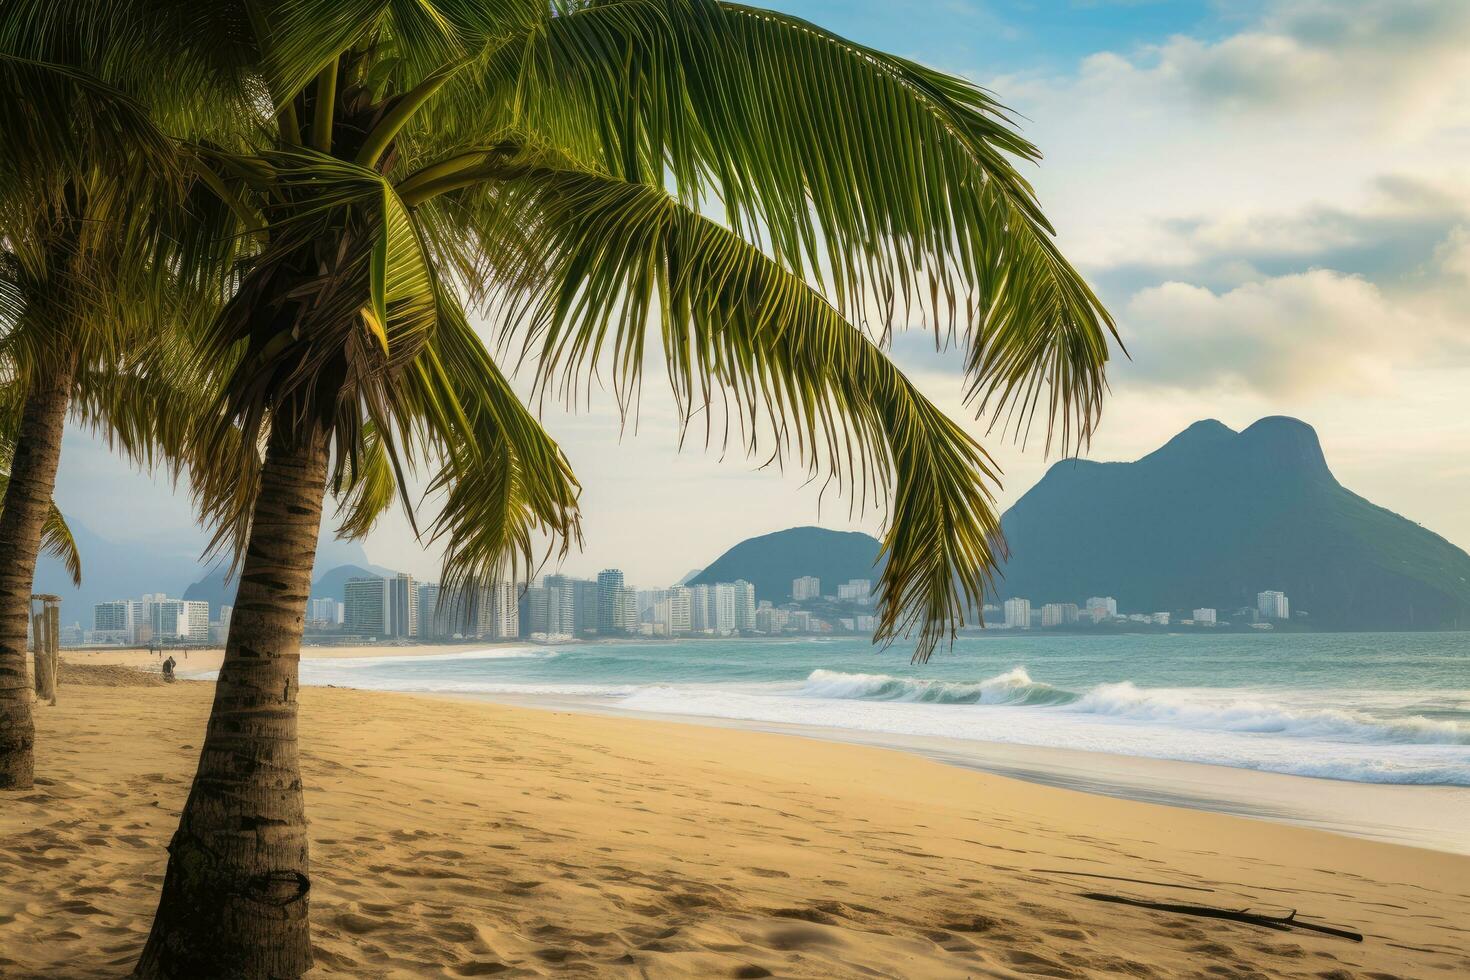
1384,708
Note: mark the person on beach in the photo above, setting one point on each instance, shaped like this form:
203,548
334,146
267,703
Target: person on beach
168,668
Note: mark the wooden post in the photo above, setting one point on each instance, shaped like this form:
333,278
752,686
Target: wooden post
46,632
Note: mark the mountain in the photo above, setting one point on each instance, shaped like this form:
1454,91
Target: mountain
114,569
771,561
1215,516
333,583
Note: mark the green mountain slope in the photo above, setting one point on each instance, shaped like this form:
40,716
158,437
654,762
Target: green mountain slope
771,561
1215,516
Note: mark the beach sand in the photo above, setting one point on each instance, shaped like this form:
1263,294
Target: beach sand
457,838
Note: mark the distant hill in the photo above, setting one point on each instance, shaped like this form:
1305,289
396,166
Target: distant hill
1215,516
117,570
771,561
333,582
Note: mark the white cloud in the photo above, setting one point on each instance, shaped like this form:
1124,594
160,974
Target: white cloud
1290,334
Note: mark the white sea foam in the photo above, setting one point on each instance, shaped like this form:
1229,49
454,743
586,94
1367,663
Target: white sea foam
1196,708
1012,687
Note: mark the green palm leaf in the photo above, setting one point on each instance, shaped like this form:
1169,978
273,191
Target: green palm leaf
619,258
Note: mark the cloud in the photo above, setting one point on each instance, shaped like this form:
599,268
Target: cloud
1401,59
1287,335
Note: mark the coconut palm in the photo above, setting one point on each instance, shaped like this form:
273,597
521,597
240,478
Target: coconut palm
89,328
56,536
758,199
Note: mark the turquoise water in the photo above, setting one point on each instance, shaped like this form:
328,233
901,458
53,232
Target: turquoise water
1382,707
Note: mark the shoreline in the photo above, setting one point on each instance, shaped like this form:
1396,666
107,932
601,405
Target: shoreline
1312,802
457,837
1431,817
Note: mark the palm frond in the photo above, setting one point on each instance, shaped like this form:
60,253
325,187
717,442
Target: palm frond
737,327
888,185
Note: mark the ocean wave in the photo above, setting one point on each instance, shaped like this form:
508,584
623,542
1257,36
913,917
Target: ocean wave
1179,708
1014,687
512,653
1188,709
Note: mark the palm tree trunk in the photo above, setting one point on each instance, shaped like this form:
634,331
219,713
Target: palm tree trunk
27,500
234,900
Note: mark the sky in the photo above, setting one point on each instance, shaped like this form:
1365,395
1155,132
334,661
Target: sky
1272,197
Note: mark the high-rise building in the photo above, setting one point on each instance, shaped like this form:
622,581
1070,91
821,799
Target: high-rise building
609,587
1273,605
324,612
856,590
584,605
434,619
561,604
1018,614
1160,619
1204,616
368,609
700,608
177,620
1058,614
724,610
806,587
1102,607
625,619
116,616
671,613
403,601
744,605
497,612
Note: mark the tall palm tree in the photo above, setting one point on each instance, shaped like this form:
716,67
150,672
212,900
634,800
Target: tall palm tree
769,198
90,327
56,536
67,237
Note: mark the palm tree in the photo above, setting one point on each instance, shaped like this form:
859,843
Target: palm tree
768,197
56,536
88,326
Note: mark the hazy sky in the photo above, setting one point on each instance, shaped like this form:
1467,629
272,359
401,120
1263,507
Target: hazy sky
1272,197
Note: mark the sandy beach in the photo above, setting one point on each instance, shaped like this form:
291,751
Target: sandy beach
455,838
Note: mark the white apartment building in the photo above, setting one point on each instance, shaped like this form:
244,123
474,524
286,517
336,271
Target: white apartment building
500,612
1106,605
806,587
744,605
1204,616
1273,605
671,612
856,590
1018,614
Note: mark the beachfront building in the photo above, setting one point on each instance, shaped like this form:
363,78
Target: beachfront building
617,605
856,590
1058,614
1272,605
1018,614
1160,619
1204,617
497,612
1102,607
672,612
806,587
770,620
367,607
180,620
403,597
116,616
324,612
744,605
